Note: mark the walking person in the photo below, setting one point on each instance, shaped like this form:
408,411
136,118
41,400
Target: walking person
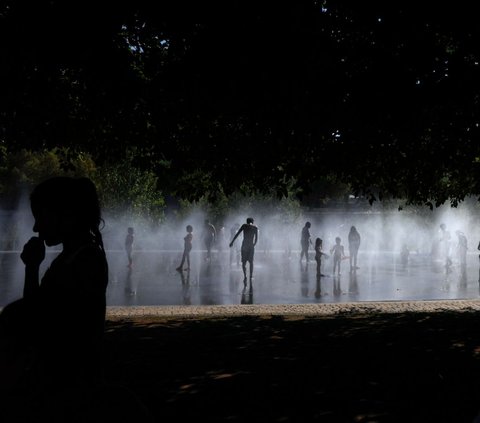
353,246
250,239
305,241
187,247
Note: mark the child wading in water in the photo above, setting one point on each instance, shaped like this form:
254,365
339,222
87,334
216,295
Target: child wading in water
129,246
338,254
187,247
318,255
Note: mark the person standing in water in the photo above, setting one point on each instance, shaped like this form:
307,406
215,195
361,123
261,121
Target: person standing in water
445,246
338,254
187,247
318,255
209,234
129,245
305,241
250,239
353,246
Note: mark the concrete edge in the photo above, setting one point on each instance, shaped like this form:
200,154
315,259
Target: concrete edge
293,309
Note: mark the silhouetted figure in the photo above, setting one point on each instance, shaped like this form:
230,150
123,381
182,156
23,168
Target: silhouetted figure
221,238
305,241
318,255
208,235
338,253
353,246
445,246
404,256
51,339
129,245
187,247
234,252
462,247
250,239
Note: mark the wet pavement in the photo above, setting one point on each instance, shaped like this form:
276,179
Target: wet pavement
278,279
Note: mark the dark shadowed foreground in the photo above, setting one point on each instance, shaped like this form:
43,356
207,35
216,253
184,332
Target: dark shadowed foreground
349,367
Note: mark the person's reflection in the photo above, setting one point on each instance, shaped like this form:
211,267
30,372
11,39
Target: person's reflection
304,281
353,285
247,295
318,289
462,282
129,288
205,272
186,287
337,291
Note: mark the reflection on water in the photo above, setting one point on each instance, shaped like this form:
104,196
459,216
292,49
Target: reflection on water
278,278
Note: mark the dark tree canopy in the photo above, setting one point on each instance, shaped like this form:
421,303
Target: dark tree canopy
381,95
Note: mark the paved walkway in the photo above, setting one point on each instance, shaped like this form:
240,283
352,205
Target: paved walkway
293,309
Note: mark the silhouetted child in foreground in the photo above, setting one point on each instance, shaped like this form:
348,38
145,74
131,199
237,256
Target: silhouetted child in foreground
51,339
338,254
187,247
318,255
129,245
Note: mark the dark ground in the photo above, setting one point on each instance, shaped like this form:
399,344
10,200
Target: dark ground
408,367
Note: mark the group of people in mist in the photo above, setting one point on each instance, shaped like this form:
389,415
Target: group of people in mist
443,247
337,251
246,253
210,235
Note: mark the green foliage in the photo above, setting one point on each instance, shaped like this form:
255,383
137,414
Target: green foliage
312,88
123,188
126,190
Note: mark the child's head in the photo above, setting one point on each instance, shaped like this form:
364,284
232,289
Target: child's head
250,220
318,242
338,240
130,231
189,228
66,207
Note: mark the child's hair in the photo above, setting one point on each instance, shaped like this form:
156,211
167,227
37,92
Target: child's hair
75,197
189,228
130,230
318,242
249,219
338,240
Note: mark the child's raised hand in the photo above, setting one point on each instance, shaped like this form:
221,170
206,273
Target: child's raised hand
33,251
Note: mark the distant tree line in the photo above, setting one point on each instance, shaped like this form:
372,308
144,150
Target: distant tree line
206,99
